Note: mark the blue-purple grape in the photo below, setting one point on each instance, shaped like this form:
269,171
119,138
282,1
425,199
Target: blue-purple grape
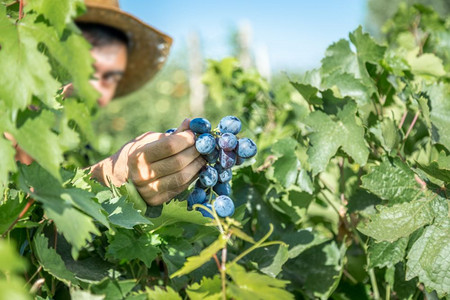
225,175
171,130
224,206
198,196
239,160
213,156
227,141
246,148
200,125
230,124
205,143
227,159
208,177
222,188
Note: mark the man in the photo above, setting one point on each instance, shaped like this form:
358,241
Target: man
127,54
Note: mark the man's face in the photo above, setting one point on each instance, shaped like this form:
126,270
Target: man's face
109,66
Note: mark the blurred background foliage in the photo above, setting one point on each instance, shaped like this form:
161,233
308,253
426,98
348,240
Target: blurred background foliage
165,101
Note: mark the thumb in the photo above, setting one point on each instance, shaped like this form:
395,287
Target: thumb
184,126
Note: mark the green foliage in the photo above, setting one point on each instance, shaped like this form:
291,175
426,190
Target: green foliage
347,198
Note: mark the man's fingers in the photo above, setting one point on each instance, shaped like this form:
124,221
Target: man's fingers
167,146
160,198
173,181
164,167
184,126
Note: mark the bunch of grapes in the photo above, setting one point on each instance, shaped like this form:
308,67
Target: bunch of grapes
222,150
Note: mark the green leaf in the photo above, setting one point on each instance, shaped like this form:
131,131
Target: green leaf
59,13
308,92
387,134
426,64
328,136
270,260
195,262
7,163
439,108
175,212
10,210
207,289
158,293
399,220
135,198
12,286
317,271
124,245
339,57
28,69
434,169
37,145
386,254
286,169
367,50
429,260
62,205
113,289
252,285
51,261
392,180
123,214
301,240
79,113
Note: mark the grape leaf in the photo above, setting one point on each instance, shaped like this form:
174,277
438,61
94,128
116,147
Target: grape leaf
26,65
392,180
124,245
207,289
429,258
317,270
399,220
174,212
425,64
252,285
59,13
386,254
59,205
328,136
113,289
157,293
7,163
339,57
439,108
123,214
12,286
76,294
43,147
270,260
195,262
10,210
51,261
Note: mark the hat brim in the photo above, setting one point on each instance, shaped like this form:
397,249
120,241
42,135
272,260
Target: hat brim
148,49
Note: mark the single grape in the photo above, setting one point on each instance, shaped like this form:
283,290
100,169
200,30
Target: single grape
208,177
198,196
200,125
227,159
239,160
222,188
171,130
224,206
206,213
230,124
246,148
224,174
198,184
213,156
205,143
227,141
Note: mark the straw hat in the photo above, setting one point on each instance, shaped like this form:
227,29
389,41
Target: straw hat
148,49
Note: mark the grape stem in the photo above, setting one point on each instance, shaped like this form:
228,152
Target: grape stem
20,9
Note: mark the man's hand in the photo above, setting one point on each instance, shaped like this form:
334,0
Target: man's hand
160,165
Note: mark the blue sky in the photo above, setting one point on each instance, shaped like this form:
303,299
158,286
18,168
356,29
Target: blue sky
294,32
